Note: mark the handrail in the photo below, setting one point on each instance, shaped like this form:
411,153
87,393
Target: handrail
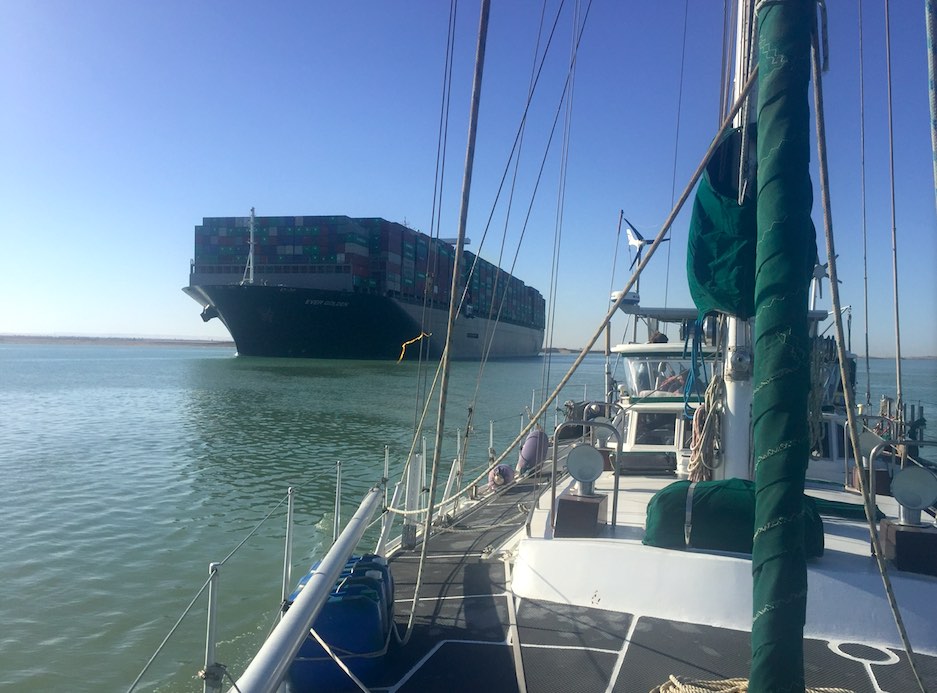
865,420
894,443
595,424
269,666
612,410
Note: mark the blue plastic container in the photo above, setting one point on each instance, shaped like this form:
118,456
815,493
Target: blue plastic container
355,622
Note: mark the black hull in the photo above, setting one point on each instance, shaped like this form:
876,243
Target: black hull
290,322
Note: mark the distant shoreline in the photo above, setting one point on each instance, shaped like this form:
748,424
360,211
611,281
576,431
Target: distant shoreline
181,342
114,341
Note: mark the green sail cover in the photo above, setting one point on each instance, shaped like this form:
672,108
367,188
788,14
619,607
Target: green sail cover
721,518
786,251
721,247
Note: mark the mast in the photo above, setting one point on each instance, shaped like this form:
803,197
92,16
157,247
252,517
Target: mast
457,268
737,364
248,277
784,262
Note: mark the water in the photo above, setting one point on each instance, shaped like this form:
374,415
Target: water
127,470
918,383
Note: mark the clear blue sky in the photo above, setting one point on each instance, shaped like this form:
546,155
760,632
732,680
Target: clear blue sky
124,123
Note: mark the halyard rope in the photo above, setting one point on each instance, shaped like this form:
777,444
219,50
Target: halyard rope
706,431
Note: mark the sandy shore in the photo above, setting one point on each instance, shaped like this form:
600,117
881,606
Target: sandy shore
115,341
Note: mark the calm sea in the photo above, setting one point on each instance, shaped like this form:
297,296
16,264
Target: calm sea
127,470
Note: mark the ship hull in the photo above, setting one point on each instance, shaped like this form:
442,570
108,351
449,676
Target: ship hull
296,322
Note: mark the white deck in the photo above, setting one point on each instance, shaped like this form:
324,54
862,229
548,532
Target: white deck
615,571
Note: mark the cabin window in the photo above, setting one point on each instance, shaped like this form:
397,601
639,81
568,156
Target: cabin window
655,428
663,374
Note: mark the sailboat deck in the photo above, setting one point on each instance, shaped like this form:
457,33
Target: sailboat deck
592,619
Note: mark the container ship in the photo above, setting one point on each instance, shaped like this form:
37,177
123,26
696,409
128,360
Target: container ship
337,287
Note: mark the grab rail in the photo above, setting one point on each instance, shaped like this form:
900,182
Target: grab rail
893,443
269,666
594,424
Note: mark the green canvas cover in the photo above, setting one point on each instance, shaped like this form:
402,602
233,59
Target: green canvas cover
786,253
721,247
723,517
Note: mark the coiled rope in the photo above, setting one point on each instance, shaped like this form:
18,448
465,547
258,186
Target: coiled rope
705,439
677,684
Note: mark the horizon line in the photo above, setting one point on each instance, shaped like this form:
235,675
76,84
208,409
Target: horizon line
23,337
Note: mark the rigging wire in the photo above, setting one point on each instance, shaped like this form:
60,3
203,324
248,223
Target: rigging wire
444,361
465,490
436,214
504,176
493,324
215,566
518,140
724,76
930,20
515,146
561,199
611,286
684,196
546,152
865,233
494,319
676,142
513,188
894,230
848,392
746,62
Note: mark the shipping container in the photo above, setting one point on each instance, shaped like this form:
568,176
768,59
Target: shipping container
379,255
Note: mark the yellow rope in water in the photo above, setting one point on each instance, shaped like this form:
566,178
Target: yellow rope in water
677,684
403,347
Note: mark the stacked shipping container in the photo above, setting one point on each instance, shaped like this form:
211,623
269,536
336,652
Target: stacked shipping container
381,256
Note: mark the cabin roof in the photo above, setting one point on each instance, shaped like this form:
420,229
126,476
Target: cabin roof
670,349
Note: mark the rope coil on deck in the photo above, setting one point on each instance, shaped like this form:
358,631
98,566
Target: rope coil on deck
678,684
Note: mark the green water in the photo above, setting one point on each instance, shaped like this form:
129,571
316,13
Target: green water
127,470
